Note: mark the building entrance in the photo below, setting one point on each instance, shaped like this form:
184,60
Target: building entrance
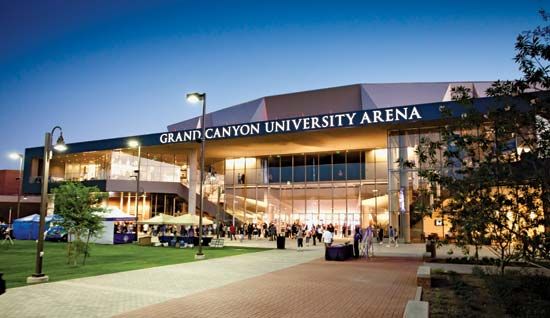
343,188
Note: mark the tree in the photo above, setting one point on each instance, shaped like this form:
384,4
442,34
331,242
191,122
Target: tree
488,197
79,205
495,166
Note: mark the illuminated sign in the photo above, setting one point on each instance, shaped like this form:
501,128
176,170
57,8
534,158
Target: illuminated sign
317,122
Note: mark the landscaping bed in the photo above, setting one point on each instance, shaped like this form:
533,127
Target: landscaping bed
483,295
472,261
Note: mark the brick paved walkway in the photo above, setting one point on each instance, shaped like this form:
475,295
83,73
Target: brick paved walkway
374,288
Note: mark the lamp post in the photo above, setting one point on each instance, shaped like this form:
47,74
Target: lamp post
194,98
19,156
136,144
38,276
213,179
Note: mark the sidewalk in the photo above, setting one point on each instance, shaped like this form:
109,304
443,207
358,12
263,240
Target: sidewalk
111,294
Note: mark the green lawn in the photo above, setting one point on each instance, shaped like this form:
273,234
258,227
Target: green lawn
17,261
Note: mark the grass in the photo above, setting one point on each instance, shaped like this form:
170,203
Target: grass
17,262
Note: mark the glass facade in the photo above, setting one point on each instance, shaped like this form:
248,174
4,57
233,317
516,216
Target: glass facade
118,165
340,187
404,182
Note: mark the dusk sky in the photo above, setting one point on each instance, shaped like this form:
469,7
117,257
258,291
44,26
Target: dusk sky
103,69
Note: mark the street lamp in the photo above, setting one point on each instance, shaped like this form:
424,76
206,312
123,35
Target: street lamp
136,144
38,276
212,180
195,98
19,156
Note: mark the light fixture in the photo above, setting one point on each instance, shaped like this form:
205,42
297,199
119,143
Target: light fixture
15,155
133,143
60,144
194,97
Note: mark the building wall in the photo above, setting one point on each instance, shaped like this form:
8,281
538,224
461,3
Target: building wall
9,183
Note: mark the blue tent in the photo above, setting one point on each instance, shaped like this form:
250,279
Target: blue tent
26,228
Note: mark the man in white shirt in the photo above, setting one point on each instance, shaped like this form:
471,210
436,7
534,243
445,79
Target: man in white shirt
327,238
367,240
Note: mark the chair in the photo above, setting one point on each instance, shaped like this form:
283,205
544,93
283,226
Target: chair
155,241
217,243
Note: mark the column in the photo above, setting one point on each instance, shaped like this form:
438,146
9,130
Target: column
192,181
129,204
405,223
121,205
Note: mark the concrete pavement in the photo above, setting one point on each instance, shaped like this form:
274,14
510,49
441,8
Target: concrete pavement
111,294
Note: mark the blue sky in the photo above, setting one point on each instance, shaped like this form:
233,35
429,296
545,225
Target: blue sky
104,69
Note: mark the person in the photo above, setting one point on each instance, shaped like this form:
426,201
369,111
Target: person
396,237
368,239
249,231
391,237
300,237
381,236
327,238
232,232
273,232
319,232
256,232
7,235
356,239
313,233
241,233
191,236
308,237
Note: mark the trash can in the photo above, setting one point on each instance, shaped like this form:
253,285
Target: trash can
430,248
281,242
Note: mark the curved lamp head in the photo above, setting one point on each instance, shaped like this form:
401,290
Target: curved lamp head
133,143
195,97
15,156
60,144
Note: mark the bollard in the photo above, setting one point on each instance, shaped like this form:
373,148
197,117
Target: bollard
2,284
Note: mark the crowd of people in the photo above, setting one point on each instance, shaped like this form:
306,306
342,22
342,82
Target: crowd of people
310,234
304,234
124,227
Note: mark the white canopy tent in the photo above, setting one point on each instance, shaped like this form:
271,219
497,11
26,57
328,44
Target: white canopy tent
189,219
110,216
161,218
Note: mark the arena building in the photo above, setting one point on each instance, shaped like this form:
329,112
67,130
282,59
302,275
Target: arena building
316,157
